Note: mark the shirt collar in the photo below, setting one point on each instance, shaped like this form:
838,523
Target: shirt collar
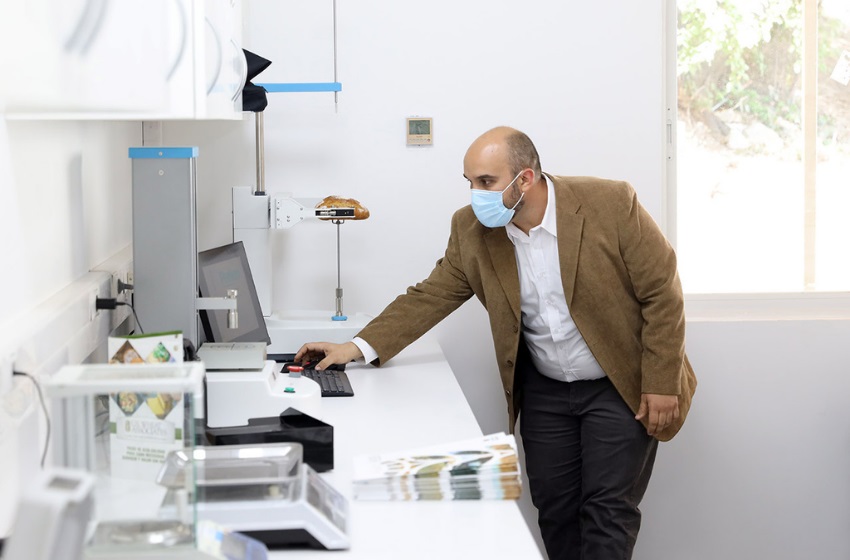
549,224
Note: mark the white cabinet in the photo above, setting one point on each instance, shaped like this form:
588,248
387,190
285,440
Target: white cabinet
207,69
121,59
80,55
224,62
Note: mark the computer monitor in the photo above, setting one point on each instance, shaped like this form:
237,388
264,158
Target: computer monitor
226,268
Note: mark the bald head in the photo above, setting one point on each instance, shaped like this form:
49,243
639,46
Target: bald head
507,146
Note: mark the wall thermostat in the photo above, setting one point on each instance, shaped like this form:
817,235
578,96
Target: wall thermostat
420,131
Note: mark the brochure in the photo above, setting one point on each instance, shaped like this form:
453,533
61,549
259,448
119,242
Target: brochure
481,468
144,427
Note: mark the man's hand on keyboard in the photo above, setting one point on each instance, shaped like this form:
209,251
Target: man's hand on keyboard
328,353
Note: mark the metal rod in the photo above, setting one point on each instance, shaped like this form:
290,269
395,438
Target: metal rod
232,314
338,271
259,132
336,93
338,266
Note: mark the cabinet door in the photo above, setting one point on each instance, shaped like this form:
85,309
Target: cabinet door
180,27
206,66
225,69
121,59
81,57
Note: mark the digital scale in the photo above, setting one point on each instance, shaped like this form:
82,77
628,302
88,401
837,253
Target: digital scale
264,491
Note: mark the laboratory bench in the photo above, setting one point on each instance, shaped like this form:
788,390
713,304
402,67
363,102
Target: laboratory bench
412,401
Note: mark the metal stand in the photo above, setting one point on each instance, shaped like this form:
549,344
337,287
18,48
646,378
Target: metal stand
339,316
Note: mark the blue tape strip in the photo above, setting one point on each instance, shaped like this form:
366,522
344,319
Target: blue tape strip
163,153
301,87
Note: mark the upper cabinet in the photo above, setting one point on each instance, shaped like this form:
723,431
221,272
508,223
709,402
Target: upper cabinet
206,70
225,69
121,59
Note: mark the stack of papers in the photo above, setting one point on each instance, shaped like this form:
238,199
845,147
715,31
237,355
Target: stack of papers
484,468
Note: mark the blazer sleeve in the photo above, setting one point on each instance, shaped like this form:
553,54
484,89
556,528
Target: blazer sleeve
652,268
425,304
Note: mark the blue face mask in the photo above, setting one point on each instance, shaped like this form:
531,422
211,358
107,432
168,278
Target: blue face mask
489,208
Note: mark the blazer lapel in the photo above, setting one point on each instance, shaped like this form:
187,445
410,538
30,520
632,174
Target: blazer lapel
570,224
504,261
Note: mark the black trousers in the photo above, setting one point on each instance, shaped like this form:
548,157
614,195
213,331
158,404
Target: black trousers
588,462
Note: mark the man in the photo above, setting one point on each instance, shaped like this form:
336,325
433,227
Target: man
587,316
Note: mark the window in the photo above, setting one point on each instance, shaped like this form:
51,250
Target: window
763,145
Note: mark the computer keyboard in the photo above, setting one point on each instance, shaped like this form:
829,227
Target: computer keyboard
333,380
334,383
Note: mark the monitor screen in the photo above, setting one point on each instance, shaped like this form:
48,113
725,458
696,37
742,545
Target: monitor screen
226,268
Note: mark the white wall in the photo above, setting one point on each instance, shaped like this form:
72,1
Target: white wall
760,469
64,209
64,204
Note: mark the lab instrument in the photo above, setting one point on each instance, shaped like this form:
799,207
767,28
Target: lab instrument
264,491
235,396
52,517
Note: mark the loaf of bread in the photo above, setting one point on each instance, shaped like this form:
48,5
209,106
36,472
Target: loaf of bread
360,211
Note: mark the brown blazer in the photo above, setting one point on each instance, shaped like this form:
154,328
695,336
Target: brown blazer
620,282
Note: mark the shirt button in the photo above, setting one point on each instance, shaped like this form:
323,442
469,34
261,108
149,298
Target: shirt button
510,363
515,328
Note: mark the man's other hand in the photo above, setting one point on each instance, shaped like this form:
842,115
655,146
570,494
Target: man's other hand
659,410
328,353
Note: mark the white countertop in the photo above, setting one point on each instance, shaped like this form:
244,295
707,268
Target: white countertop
413,401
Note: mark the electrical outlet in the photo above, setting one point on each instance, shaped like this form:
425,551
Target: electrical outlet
126,279
119,290
113,288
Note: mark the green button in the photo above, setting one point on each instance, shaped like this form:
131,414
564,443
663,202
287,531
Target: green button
289,390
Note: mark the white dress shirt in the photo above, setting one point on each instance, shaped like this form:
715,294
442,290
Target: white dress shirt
555,343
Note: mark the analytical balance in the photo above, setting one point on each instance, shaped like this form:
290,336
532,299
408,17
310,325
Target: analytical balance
264,491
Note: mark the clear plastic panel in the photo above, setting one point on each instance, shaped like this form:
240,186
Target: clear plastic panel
233,465
120,423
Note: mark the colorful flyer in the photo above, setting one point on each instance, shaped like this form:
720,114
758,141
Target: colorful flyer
144,427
